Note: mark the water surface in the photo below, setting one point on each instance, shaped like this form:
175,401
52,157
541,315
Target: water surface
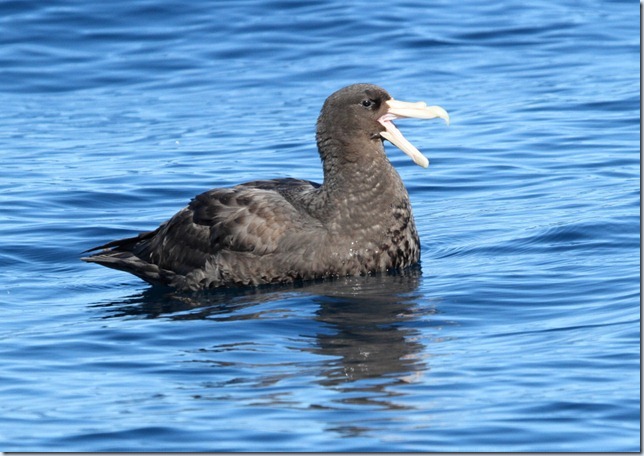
520,332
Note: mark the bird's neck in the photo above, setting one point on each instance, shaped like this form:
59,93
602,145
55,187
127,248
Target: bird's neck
360,186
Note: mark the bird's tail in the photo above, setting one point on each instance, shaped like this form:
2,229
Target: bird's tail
122,255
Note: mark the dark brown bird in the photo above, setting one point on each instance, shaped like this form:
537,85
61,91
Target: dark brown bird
358,221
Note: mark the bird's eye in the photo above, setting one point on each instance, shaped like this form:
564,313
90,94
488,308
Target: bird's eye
367,103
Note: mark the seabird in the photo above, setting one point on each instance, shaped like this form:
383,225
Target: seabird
358,221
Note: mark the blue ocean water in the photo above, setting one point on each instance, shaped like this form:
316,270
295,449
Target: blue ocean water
521,332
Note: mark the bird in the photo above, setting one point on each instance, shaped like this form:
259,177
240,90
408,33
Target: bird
358,221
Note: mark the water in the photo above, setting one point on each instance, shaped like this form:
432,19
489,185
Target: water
521,332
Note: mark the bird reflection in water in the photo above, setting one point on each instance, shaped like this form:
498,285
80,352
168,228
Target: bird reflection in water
372,331
367,335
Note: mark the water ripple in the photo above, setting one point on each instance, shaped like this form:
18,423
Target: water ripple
520,332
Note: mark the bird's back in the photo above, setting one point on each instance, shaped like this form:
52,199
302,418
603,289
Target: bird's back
227,236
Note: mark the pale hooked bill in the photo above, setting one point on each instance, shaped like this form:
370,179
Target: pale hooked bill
401,109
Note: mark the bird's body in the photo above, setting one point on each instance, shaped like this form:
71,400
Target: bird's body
358,221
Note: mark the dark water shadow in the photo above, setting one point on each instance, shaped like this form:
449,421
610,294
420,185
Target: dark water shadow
364,328
156,302
376,343
370,338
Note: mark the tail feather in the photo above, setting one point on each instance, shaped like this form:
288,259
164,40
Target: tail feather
126,244
120,255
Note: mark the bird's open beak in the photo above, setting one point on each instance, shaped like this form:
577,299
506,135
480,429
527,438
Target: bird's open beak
400,109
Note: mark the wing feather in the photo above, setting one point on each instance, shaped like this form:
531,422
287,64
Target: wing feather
223,235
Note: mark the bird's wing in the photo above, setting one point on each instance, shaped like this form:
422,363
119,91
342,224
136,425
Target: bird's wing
238,228
248,218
